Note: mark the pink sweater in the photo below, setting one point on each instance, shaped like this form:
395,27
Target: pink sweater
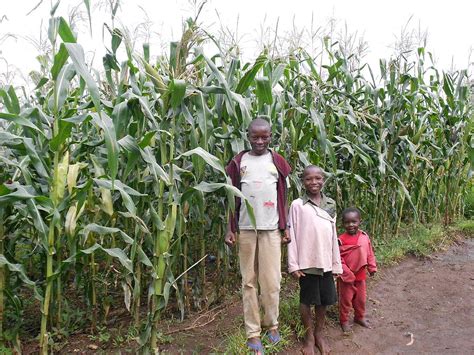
313,239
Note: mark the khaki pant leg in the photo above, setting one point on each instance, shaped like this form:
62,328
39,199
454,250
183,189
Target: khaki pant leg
269,275
248,249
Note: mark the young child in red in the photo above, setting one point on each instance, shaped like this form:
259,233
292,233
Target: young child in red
357,256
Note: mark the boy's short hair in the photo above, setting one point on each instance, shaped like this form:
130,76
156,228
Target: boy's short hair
313,167
350,210
259,121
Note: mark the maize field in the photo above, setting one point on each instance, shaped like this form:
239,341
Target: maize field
113,194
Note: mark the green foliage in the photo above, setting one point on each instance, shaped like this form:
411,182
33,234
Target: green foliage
469,202
289,311
420,240
235,343
466,226
103,335
6,351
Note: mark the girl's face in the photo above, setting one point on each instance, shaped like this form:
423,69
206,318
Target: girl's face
313,181
351,222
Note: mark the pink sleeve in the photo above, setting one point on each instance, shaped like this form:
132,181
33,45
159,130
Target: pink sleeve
336,256
293,246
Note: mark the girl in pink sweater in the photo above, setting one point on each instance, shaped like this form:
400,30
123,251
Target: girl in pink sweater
313,255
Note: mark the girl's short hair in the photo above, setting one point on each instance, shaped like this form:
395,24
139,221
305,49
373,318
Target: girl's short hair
350,210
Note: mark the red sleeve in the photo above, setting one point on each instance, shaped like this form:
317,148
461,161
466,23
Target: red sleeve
371,263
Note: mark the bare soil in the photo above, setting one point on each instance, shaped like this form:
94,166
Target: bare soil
429,301
418,306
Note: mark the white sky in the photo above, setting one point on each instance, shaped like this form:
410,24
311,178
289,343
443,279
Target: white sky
449,25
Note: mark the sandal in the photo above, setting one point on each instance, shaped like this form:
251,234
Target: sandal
274,338
256,348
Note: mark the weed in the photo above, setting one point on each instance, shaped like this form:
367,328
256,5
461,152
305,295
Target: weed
419,240
469,202
235,343
466,226
289,314
102,336
5,351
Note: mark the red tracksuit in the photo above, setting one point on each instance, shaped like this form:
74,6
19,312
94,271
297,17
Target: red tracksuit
357,255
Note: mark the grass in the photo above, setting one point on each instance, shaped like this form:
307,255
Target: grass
420,241
469,202
235,343
466,226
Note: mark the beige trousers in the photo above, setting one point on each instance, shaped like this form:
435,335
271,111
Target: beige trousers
260,265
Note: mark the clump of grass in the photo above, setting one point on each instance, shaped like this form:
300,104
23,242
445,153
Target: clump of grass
469,203
419,241
235,343
289,314
466,226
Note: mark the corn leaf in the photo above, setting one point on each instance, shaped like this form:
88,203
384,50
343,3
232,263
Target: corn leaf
76,53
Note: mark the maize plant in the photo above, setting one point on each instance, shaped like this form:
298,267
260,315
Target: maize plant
113,192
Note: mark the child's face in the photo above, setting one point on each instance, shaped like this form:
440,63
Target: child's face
351,222
313,181
259,138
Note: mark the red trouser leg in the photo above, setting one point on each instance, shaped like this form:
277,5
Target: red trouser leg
359,299
346,292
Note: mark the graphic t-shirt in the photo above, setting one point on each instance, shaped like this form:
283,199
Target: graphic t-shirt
259,177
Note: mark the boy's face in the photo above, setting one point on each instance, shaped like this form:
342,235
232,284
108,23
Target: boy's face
313,181
259,138
351,222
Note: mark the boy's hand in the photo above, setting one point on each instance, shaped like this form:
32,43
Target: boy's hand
297,274
285,239
230,238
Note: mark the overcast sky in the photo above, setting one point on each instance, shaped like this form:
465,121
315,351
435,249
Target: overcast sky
380,23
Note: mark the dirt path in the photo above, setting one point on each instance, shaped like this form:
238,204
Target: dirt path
429,301
432,299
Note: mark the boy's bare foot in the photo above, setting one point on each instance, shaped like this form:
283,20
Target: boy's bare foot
321,344
308,350
346,327
362,322
308,346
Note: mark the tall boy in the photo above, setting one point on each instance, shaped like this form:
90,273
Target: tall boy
313,256
261,175
357,256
